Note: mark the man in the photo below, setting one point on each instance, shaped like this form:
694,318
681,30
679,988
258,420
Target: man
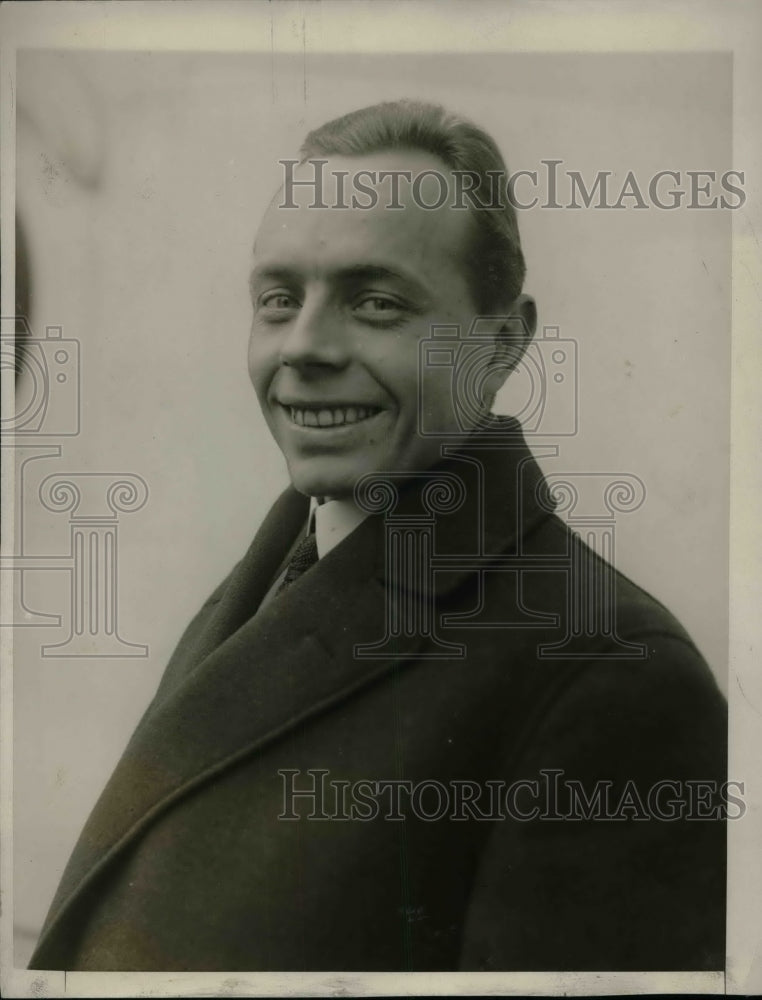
402,630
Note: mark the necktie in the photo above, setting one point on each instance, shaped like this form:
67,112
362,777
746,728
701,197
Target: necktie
305,555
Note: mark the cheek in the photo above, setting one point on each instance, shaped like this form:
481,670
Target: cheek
396,369
261,364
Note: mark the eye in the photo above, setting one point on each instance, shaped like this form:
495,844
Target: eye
379,308
375,303
278,300
276,306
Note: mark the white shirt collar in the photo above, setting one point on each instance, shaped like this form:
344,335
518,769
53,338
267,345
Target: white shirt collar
333,520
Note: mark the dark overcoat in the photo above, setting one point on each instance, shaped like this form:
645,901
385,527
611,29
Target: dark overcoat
188,861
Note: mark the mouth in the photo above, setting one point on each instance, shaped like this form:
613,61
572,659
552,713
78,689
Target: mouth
326,418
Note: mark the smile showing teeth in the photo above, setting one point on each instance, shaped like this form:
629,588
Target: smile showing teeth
336,416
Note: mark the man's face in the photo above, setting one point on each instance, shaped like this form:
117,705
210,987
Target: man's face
342,298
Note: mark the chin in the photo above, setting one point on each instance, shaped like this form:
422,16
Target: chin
315,483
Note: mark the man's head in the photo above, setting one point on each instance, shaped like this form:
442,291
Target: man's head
343,296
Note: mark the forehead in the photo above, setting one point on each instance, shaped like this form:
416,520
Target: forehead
431,242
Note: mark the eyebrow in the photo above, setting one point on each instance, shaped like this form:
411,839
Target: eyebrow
348,275
267,273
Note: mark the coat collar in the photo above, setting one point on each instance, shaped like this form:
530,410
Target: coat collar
501,496
251,678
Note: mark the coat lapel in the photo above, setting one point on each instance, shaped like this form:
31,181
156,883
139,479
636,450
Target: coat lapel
292,660
251,578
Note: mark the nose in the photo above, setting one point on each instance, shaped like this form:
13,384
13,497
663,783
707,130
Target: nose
316,338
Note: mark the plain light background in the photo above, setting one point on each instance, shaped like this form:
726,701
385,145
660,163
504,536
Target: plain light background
141,181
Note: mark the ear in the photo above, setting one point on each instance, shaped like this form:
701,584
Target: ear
511,341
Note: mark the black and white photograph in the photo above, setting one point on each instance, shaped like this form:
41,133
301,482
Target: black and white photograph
380,567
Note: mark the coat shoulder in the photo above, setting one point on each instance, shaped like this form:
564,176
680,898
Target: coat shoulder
637,611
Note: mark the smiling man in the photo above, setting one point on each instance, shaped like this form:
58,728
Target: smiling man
342,299
384,742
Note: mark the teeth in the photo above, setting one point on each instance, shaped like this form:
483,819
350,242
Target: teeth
335,417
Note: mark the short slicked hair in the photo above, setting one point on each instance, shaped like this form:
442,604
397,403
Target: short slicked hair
495,262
